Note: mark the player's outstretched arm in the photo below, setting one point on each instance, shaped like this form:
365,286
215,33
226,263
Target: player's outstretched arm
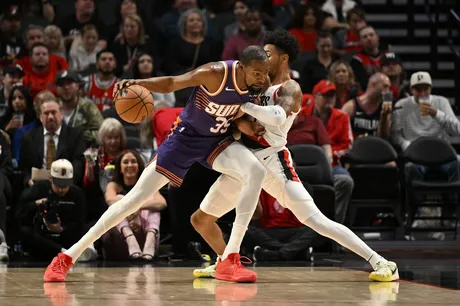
288,99
210,75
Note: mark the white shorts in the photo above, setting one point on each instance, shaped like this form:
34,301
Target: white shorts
281,182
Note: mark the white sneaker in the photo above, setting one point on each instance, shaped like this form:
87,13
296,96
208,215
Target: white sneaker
207,272
386,271
4,252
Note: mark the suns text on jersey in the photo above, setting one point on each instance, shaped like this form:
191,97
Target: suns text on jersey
221,110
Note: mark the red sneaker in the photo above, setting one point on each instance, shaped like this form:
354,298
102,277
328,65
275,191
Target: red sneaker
58,268
232,270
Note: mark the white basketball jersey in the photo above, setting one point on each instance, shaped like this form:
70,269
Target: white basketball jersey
275,136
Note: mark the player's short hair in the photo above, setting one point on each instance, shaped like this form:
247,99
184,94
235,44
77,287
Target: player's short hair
284,41
253,53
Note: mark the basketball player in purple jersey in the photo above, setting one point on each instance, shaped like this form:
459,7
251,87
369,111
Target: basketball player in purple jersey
200,134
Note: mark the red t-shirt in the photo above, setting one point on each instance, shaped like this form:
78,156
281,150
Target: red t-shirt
37,82
338,128
275,215
162,121
56,63
307,40
352,42
307,130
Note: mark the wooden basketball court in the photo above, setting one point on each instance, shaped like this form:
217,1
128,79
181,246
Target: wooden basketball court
175,286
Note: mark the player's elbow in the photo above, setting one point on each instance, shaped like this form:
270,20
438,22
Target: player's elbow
280,119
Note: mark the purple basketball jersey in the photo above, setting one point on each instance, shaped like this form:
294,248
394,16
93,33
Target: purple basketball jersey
210,114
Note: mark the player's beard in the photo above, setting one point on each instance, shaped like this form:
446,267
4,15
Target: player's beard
252,91
107,72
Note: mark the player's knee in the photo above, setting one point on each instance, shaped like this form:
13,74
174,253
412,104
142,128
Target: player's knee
256,172
200,219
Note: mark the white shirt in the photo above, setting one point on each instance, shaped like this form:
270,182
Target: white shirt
45,139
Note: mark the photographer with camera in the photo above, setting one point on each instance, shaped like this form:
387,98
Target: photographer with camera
51,213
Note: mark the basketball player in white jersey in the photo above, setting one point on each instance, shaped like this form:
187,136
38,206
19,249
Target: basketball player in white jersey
280,104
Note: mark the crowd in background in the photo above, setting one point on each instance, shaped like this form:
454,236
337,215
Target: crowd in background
56,105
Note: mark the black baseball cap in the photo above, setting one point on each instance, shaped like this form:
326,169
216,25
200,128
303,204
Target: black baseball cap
390,58
67,75
12,13
13,69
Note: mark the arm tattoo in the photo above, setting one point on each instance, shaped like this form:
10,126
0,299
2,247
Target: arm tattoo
289,97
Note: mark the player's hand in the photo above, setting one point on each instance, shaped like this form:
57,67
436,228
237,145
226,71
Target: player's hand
251,128
239,114
256,100
123,84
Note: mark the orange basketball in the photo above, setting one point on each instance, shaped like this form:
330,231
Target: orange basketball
134,104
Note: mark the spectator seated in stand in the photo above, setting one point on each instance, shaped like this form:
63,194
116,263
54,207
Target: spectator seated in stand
239,10
252,35
83,51
347,40
305,24
50,141
279,236
317,68
100,165
77,111
368,114
55,41
367,62
42,75
168,22
20,111
131,42
12,76
36,35
391,66
11,46
100,86
142,226
424,114
85,13
41,97
51,213
343,78
337,125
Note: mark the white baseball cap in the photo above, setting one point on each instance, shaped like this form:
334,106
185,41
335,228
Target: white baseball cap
420,77
62,173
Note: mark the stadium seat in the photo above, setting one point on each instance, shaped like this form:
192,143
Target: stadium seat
313,167
377,184
430,151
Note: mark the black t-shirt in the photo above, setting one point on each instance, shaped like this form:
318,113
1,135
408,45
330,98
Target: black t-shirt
10,50
71,26
364,122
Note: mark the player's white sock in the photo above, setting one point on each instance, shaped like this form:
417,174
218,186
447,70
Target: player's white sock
247,203
235,240
343,235
148,184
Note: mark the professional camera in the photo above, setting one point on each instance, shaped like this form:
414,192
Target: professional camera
48,211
